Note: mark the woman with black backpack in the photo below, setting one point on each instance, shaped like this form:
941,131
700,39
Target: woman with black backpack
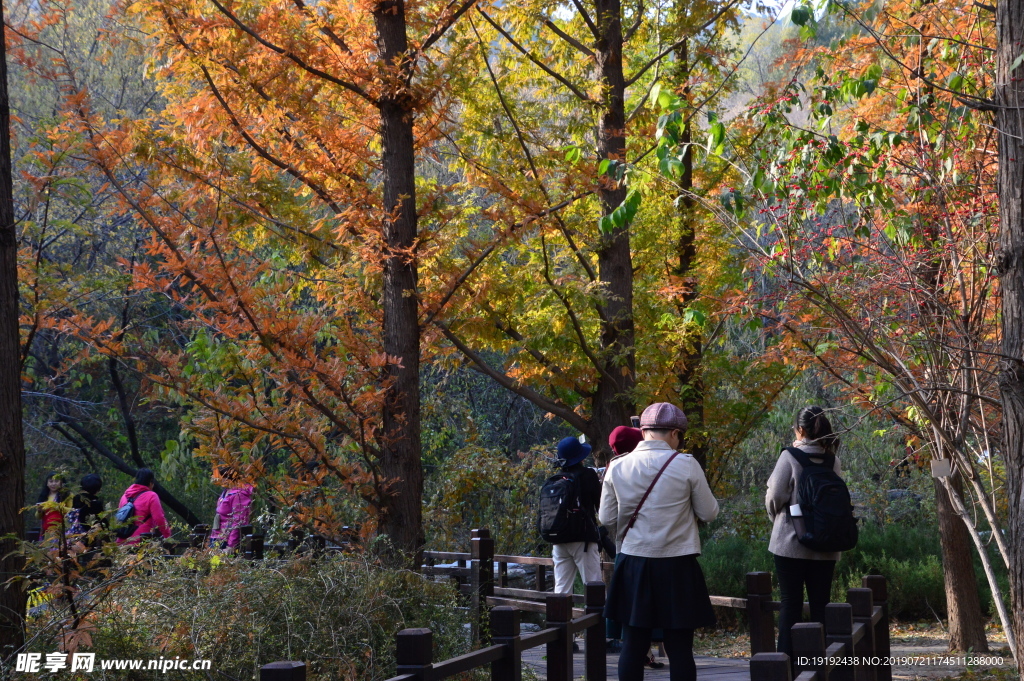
796,564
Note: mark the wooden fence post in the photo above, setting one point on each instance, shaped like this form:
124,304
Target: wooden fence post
760,619
880,597
839,629
415,651
808,644
861,602
541,572
243,532
295,539
319,545
200,536
596,663
283,671
481,551
505,632
252,547
770,667
257,546
559,613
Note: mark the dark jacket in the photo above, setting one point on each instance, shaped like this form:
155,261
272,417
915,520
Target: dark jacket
590,495
89,508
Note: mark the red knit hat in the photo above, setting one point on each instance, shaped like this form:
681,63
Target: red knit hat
624,439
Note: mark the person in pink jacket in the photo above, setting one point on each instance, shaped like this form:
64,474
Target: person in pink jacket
233,510
149,513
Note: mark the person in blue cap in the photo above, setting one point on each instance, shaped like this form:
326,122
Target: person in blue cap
582,553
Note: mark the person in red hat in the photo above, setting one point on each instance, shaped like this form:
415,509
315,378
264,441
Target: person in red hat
624,439
651,502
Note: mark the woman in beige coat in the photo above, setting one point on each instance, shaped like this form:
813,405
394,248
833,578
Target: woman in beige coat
651,502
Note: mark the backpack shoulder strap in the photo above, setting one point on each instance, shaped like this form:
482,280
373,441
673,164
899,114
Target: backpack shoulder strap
148,515
829,460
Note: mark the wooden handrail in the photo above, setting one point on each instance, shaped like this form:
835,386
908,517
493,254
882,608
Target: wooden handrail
858,627
505,656
468,662
539,638
530,593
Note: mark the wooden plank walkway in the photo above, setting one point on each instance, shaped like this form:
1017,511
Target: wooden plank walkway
708,668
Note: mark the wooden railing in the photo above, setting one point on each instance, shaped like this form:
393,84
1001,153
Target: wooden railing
483,577
852,646
504,657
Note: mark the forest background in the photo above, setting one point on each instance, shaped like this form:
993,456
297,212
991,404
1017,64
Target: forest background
377,258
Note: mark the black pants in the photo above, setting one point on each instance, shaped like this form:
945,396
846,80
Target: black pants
636,643
793,575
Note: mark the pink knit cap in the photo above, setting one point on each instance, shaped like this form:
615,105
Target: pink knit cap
662,415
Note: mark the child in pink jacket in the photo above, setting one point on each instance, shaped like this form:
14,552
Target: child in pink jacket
149,513
233,510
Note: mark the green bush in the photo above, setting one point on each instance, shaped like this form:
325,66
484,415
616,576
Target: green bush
726,561
909,557
339,615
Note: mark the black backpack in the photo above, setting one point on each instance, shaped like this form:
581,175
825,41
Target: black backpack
560,518
828,521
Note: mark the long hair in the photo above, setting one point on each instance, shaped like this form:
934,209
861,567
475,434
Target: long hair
144,476
817,428
44,493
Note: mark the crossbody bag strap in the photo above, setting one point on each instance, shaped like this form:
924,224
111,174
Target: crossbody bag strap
636,511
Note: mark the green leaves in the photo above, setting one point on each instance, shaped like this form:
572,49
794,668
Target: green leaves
613,169
623,215
716,136
801,15
694,316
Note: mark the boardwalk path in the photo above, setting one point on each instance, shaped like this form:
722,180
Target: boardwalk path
708,668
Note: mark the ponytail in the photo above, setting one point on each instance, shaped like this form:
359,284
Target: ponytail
817,428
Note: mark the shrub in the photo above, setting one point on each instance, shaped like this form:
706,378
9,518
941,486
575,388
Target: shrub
338,614
727,560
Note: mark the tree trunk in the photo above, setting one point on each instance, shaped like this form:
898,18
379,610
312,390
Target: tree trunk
613,404
1009,96
402,512
691,381
12,444
966,624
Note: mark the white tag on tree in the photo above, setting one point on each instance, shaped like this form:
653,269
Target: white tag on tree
941,468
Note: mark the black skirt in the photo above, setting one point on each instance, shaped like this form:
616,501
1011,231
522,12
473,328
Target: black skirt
666,593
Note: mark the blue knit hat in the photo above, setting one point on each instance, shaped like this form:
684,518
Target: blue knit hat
572,451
